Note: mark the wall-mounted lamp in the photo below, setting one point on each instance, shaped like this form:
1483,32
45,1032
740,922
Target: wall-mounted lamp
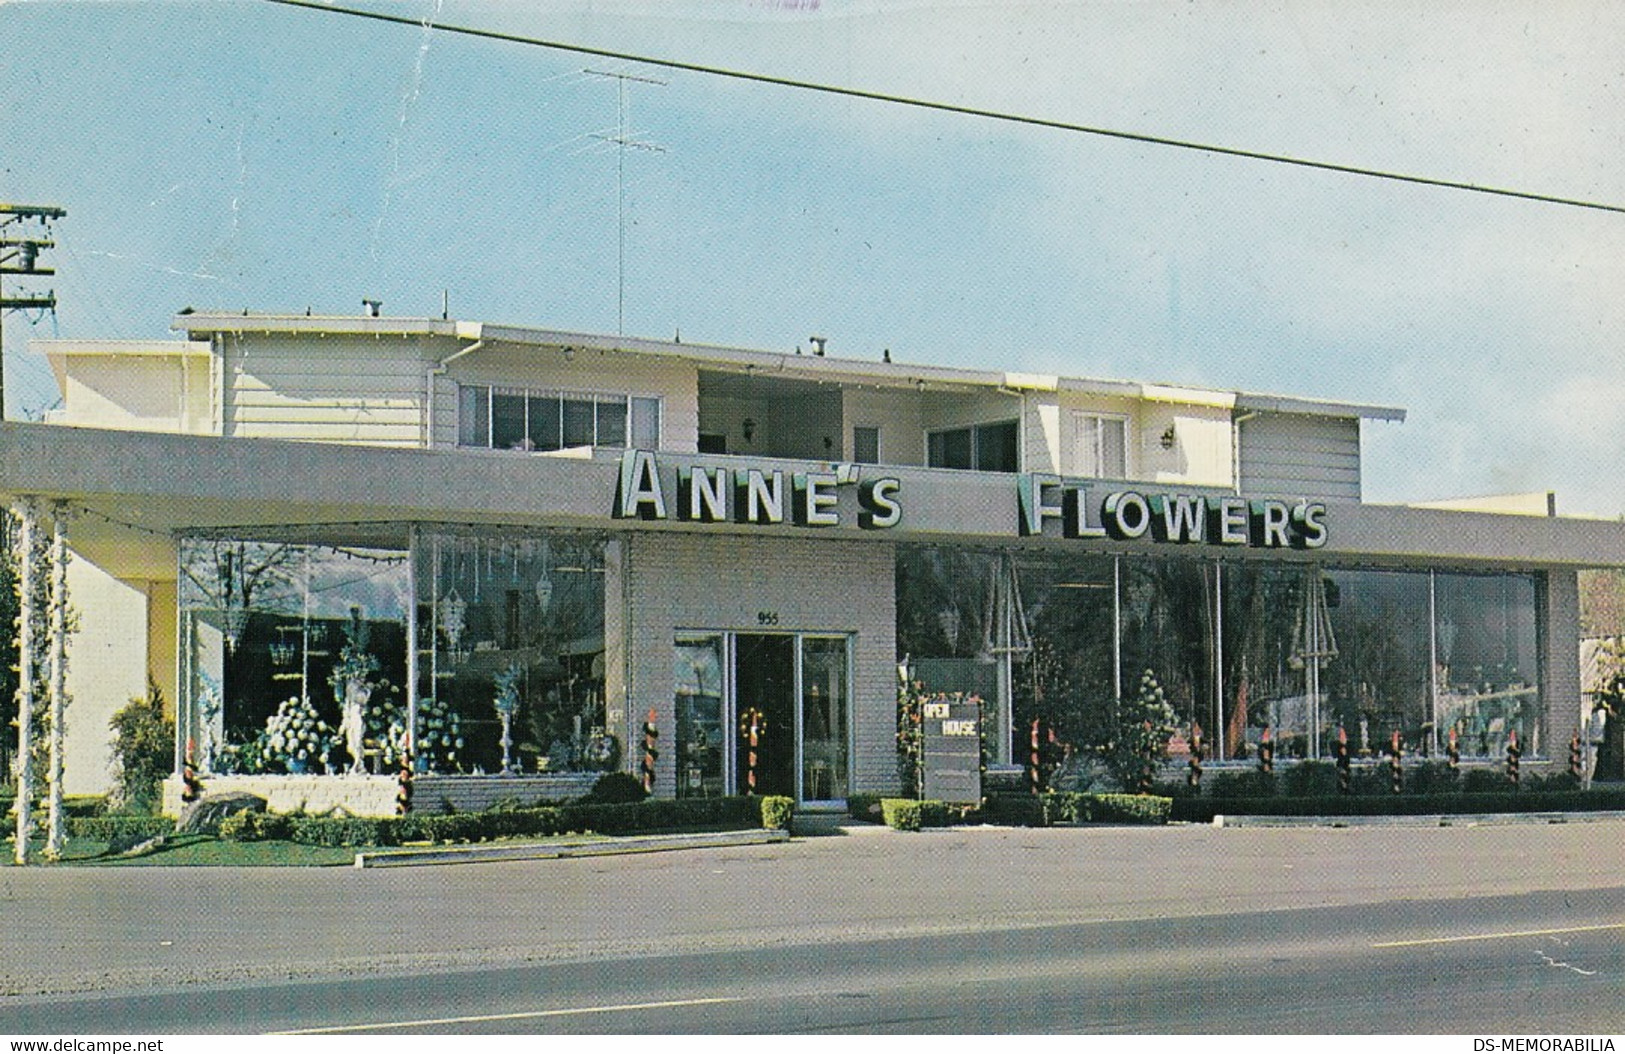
1168,438
372,306
569,354
747,428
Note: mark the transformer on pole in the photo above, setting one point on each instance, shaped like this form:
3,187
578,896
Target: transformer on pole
24,233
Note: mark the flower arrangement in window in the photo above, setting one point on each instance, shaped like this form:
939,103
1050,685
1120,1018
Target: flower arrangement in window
296,736
440,736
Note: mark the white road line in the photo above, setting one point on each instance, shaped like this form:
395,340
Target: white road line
1499,936
528,1015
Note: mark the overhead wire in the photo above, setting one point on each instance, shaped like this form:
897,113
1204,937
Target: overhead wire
945,107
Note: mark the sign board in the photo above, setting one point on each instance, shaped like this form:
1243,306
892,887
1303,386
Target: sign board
951,749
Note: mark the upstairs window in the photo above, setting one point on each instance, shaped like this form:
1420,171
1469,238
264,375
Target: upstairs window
1099,446
985,448
866,445
522,419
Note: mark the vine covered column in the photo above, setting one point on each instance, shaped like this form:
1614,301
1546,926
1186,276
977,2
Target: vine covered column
27,663
55,824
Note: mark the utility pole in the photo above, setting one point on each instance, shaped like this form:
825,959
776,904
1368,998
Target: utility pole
24,232
622,141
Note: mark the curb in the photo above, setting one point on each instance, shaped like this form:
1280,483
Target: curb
1496,819
658,843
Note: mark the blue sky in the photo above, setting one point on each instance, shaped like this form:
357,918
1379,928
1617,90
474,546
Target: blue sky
241,154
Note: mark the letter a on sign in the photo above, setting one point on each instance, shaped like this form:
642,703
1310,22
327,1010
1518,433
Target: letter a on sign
639,495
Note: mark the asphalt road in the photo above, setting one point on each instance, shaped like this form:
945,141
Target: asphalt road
1484,931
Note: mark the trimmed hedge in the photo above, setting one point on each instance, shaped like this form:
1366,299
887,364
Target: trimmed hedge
1027,810
865,807
653,814
902,814
778,812
1202,810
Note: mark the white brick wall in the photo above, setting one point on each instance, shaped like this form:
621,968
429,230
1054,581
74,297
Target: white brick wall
721,582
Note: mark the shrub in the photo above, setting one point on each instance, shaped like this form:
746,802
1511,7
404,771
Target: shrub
1308,779
777,812
143,750
1130,808
902,814
1250,783
247,825
615,788
1432,777
1015,810
864,807
1485,781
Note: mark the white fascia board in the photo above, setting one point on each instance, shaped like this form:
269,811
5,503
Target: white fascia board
200,322
1168,393
1286,404
57,352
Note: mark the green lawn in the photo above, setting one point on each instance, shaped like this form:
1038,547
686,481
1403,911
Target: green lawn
199,850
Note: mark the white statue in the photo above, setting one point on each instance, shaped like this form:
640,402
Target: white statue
353,722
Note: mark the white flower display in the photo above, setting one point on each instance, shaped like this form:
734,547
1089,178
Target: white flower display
296,735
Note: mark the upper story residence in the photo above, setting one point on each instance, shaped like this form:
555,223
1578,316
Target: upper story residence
517,391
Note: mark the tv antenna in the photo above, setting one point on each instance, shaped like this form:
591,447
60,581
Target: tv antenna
24,233
622,141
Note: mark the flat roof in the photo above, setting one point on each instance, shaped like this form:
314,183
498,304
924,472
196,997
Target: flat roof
807,366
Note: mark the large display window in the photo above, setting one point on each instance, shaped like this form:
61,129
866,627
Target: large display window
295,654
1302,649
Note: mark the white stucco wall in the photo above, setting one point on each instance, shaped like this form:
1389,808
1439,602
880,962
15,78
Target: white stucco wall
107,667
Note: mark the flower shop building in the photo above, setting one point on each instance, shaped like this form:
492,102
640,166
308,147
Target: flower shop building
331,541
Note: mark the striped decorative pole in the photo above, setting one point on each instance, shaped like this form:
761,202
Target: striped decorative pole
1575,764
1343,780
403,786
1396,769
1453,752
1193,778
1035,772
650,734
191,786
752,725
1266,752
1513,754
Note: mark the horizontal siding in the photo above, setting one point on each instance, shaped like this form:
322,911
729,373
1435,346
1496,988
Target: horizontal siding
335,389
1296,456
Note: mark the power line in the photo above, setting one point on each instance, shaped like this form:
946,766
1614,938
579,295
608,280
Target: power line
943,107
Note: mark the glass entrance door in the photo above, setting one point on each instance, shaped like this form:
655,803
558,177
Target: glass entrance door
763,713
765,702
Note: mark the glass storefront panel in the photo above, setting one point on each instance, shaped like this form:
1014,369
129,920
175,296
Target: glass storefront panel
824,701
512,621
1488,672
943,622
1378,682
701,731
1066,676
293,655
1167,612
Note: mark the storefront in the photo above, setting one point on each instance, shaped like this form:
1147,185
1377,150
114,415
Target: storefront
521,619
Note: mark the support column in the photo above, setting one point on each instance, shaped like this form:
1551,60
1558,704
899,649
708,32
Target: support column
1558,615
411,745
28,515
56,824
